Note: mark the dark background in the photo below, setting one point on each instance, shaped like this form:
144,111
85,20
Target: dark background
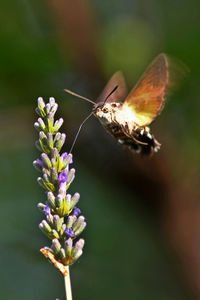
142,238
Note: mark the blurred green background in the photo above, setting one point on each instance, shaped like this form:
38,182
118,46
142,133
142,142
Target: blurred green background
142,238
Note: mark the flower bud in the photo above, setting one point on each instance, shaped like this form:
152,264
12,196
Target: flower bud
77,250
45,177
44,226
54,175
58,124
41,124
74,200
56,246
71,175
40,181
47,108
80,229
55,234
50,219
66,159
46,160
41,104
68,200
41,206
37,145
50,140
37,126
51,200
59,142
38,164
68,246
52,101
70,221
54,108
54,154
57,221
62,253
59,201
50,122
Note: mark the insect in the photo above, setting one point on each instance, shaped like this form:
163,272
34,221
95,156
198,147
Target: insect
127,116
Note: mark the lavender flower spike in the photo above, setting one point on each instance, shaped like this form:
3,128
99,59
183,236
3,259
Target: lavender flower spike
62,221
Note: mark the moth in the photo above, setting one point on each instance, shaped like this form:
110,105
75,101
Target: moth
127,116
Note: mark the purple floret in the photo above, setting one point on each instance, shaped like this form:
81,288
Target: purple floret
47,210
69,232
40,162
62,177
76,211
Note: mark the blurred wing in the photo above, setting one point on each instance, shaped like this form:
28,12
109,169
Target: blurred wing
146,99
119,94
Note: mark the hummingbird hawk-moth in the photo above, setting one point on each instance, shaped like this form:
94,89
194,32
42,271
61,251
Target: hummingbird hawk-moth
127,116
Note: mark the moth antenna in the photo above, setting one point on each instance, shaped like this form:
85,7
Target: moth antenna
77,134
79,96
110,94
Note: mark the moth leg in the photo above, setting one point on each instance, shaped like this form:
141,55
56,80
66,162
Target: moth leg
124,129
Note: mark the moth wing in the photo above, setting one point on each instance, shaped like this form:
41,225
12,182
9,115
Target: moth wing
146,99
117,80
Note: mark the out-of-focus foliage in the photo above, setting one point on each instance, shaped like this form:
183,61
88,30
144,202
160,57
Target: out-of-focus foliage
134,42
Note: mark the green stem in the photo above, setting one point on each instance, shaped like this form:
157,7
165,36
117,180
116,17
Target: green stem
68,289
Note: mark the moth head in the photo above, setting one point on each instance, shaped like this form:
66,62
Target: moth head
104,112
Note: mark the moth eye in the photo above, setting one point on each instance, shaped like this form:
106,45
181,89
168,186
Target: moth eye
105,109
